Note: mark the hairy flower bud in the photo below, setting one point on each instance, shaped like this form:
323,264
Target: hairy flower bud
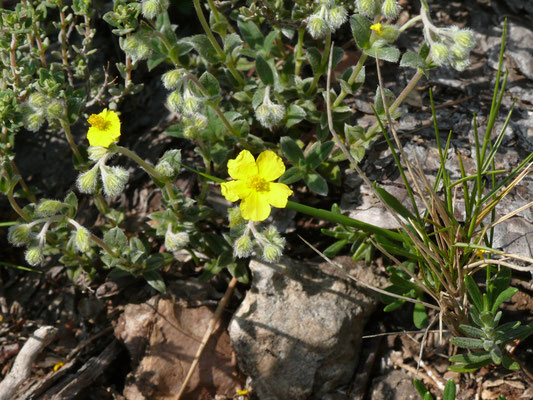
336,17
165,169
272,235
272,253
465,39
191,103
440,53
34,121
269,115
150,8
137,46
86,181
369,8
243,247
114,179
172,79
33,256
83,239
174,101
176,241
19,235
390,9
47,208
97,152
317,26
235,217
55,110
37,100
461,65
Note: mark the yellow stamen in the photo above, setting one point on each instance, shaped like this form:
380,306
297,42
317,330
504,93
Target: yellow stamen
377,28
259,184
98,122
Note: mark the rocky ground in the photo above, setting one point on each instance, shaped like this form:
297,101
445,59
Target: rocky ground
301,330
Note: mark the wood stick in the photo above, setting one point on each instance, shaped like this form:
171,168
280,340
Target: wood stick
21,369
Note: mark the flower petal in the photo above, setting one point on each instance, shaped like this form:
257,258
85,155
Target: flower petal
270,166
278,194
255,207
234,190
243,166
98,137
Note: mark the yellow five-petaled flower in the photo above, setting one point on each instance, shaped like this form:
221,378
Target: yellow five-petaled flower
105,128
377,28
253,184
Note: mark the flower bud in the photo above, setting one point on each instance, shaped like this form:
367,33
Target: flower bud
34,121
150,8
390,9
459,52
269,114
137,46
37,100
191,102
465,39
47,208
440,53
165,169
461,65
243,247
33,256
174,101
55,110
272,235
336,17
272,253
171,79
200,121
83,240
317,25
96,152
19,235
368,8
235,217
87,181
114,179
176,241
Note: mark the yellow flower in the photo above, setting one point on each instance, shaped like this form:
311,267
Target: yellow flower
253,184
377,28
105,128
58,366
242,392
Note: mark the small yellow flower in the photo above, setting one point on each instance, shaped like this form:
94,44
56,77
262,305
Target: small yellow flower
105,128
254,184
480,253
242,392
58,366
377,28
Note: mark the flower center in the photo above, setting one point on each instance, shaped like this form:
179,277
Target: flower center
259,185
98,122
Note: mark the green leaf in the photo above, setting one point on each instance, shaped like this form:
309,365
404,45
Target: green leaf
264,70
291,150
361,30
203,46
210,83
412,60
378,100
238,270
317,153
332,250
467,343
420,388
394,203
474,292
472,331
72,201
316,183
157,261
269,42
116,239
336,57
386,53
503,296
294,115
470,358
293,174
250,33
155,280
420,316
509,363
315,59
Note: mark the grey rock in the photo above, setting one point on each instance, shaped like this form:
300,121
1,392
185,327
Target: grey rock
298,331
396,385
520,48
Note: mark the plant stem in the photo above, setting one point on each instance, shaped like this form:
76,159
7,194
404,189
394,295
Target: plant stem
351,79
298,53
325,57
66,127
144,165
410,22
229,62
16,207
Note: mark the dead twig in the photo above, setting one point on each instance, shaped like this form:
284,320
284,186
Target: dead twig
208,332
22,367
